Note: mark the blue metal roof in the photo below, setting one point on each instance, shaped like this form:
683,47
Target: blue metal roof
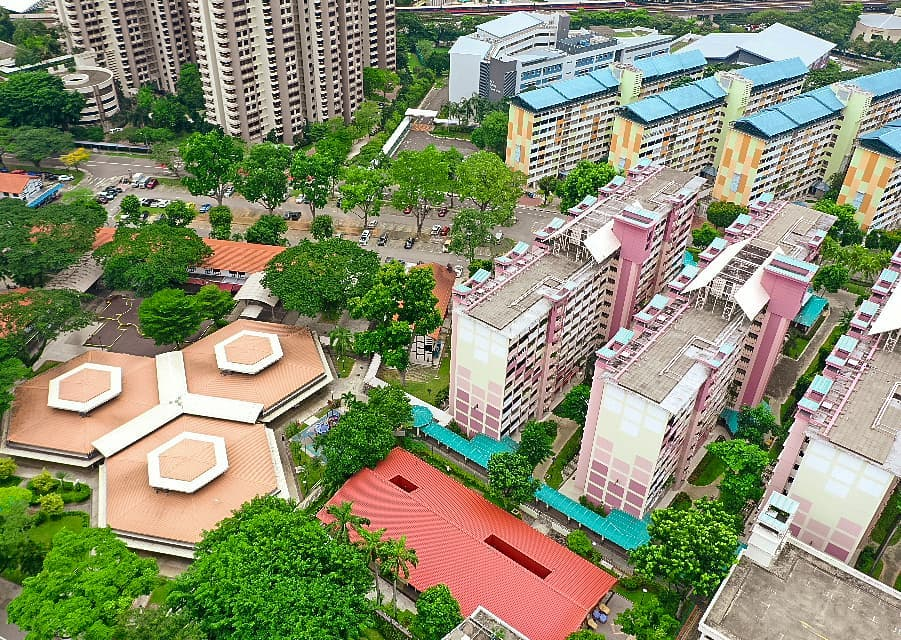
821,384
886,140
670,104
571,90
670,63
764,75
847,344
792,114
881,85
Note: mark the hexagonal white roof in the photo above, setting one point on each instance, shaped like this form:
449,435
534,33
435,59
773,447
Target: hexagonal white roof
248,352
85,387
187,462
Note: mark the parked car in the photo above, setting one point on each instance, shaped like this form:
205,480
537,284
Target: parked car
229,191
442,212
161,204
151,183
19,172
66,178
408,244
147,202
291,215
204,208
364,237
383,239
408,211
458,269
445,230
372,224
116,130
102,199
301,200
445,248
436,230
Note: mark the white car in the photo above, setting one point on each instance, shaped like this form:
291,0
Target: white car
65,178
498,236
116,130
458,269
364,237
371,224
300,199
161,204
436,230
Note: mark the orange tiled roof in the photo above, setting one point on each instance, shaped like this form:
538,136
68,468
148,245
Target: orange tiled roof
34,424
133,506
299,365
14,182
228,255
444,289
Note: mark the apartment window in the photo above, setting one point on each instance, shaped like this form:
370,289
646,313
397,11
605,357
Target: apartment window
736,178
858,199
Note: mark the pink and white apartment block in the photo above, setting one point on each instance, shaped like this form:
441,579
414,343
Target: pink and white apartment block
842,457
708,343
522,334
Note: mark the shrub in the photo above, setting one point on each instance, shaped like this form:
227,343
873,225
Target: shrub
8,468
74,492
51,504
580,544
43,483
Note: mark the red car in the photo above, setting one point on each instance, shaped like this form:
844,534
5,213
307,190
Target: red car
408,211
445,230
442,212
150,184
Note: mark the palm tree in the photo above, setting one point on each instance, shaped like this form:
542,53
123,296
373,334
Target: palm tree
341,339
374,548
398,561
344,521
349,398
62,476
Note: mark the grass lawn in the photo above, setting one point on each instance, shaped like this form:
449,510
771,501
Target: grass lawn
795,347
637,596
898,583
158,595
47,366
345,365
76,194
425,390
554,476
886,519
709,469
680,502
43,533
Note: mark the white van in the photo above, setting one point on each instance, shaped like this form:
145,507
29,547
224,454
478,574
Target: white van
364,237
137,180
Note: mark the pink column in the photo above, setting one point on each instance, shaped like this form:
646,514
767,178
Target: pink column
788,457
586,452
786,281
634,236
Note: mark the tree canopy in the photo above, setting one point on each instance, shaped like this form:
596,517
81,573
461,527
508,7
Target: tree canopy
40,314
321,276
284,574
151,258
362,191
211,161
214,304
831,277
263,175
39,99
312,175
722,214
421,178
744,463
575,404
269,229
510,478
322,228
490,185
690,549
491,134
536,440
754,423
190,88
43,241
220,222
437,613
169,316
845,230
648,620
584,180
89,579
36,144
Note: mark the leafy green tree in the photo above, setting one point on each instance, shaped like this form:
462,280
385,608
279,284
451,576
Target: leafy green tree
374,546
37,144
169,317
190,88
362,191
51,504
393,405
580,544
845,230
437,613
269,229
179,213
40,314
130,212
166,154
689,549
883,240
312,176
322,228
584,180
392,341
213,304
754,423
221,223
11,371
723,214
743,482
89,579
43,483
536,441
367,117
704,235
470,230
397,562
453,159
169,113
491,134
360,439
377,80
547,185
14,524
832,277
345,521
211,162
316,277
8,468
510,478
40,242
263,176
491,186
575,404
6,134
585,634
421,178
151,258
341,341
157,623
143,105
39,99
285,576
648,620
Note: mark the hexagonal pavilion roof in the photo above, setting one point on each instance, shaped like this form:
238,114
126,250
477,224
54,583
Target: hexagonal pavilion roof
248,352
187,462
85,387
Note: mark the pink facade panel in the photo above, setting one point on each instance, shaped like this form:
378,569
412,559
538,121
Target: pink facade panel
837,552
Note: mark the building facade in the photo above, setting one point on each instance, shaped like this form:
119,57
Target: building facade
525,50
791,148
522,334
23,187
878,26
840,460
99,90
554,128
265,66
708,343
872,183
684,128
